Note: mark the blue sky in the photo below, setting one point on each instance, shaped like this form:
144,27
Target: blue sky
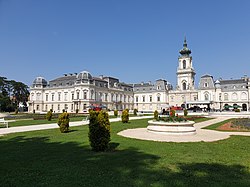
133,40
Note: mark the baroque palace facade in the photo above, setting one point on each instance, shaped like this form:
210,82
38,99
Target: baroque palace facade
79,91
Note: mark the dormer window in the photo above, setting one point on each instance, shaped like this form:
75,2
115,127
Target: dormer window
205,84
234,87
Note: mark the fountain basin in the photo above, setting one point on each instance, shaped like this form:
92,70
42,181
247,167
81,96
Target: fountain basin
171,128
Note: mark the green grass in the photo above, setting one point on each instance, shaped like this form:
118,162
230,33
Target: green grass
40,121
49,158
27,122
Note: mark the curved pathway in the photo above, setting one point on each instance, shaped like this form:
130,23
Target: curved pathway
9,130
201,135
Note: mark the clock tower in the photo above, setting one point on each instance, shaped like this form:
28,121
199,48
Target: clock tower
185,72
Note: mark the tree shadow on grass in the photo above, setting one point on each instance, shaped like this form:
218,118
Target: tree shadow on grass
38,161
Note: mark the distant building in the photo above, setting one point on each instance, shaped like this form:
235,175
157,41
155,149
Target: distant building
210,94
80,91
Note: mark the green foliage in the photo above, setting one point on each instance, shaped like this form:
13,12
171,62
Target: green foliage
156,115
135,112
16,111
172,113
115,113
63,122
125,116
99,130
18,91
185,112
49,115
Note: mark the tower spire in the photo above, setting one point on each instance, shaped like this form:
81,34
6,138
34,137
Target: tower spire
185,51
185,42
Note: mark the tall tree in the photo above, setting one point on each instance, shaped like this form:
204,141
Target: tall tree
12,93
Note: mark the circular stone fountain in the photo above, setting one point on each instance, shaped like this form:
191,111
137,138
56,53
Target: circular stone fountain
172,128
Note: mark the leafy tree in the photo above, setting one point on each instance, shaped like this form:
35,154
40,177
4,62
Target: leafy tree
12,93
156,115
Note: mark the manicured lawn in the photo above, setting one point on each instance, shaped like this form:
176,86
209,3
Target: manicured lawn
40,121
49,158
26,122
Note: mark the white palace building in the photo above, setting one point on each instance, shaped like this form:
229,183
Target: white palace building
79,91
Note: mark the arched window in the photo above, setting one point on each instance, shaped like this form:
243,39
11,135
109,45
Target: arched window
184,65
243,96
184,86
234,96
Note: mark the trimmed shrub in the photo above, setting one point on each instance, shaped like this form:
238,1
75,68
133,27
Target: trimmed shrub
49,115
99,130
135,112
115,113
185,112
63,122
172,113
125,116
156,115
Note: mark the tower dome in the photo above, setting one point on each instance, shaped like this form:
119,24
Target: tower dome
217,84
84,75
39,82
185,51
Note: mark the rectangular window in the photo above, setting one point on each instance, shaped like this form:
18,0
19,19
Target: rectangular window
52,97
106,97
47,97
65,96
150,98
136,99
37,107
85,95
143,98
158,98
72,107
58,107
59,96
52,107
77,95
66,107
72,96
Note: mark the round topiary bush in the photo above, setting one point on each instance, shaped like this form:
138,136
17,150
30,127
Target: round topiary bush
49,115
63,122
115,113
125,116
156,115
99,130
135,112
185,112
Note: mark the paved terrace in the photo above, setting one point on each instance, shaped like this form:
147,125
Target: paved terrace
201,135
